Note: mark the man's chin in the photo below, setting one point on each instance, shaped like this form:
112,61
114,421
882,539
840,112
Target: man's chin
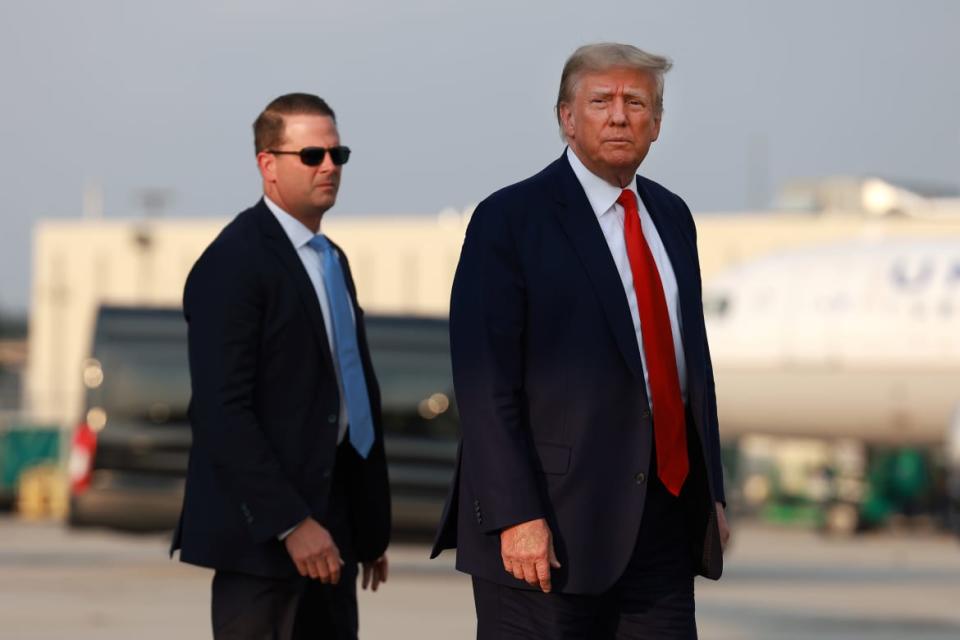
322,204
626,161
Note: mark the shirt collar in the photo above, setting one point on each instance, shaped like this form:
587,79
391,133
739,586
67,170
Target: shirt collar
298,232
601,194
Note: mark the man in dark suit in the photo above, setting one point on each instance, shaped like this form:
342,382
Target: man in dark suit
589,489
287,484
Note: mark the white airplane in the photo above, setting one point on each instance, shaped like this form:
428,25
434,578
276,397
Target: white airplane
856,340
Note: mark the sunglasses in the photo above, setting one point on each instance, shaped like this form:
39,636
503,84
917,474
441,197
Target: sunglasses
313,156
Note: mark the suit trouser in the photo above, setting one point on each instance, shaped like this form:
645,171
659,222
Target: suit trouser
652,600
248,607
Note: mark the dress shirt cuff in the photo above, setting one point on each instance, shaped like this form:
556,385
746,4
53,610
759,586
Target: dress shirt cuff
283,536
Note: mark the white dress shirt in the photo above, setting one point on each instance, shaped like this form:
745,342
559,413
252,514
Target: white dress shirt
299,236
603,199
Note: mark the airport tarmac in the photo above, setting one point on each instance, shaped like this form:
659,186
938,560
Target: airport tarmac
779,583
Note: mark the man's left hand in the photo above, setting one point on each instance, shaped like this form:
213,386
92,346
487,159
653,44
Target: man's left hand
724,527
375,572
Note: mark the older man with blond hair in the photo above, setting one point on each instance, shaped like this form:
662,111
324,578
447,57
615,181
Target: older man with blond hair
589,490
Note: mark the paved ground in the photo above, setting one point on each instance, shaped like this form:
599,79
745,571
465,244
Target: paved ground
56,584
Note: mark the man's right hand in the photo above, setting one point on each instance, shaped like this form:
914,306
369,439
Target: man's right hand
314,552
527,552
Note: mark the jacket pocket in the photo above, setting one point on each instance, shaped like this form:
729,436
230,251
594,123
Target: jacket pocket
552,458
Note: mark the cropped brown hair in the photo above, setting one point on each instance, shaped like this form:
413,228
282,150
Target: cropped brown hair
268,128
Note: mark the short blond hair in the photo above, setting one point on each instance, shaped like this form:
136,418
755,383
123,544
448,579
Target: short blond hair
602,56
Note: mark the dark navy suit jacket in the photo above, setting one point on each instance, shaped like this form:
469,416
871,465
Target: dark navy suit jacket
549,381
265,408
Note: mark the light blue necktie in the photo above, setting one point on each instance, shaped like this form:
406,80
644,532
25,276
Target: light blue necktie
347,351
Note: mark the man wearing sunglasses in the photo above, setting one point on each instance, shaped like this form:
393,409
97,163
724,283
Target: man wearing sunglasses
287,484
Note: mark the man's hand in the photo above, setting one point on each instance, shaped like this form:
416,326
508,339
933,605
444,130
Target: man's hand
527,552
313,551
723,526
375,572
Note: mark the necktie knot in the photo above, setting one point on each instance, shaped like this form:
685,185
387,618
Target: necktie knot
628,200
319,243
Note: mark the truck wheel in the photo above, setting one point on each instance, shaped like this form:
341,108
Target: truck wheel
841,519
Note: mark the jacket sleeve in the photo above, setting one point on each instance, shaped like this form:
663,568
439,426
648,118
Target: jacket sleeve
487,319
223,305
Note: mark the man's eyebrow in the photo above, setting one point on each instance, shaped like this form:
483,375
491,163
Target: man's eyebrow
609,91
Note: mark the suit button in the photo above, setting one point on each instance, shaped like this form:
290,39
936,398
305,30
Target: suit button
327,473
640,477
646,414
332,418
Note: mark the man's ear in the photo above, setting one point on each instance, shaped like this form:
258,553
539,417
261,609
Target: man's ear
267,163
656,128
567,120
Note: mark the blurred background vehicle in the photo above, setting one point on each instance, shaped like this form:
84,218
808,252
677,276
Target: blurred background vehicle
128,455
953,474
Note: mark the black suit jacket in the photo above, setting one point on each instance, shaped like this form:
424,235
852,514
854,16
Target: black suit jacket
549,381
265,408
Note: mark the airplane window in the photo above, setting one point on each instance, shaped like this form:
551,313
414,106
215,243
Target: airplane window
716,305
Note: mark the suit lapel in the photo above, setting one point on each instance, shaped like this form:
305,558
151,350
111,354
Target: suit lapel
281,247
580,224
683,261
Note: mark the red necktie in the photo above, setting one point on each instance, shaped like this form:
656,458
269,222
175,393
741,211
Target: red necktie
669,422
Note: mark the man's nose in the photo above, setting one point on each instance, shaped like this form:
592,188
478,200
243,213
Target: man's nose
327,165
618,112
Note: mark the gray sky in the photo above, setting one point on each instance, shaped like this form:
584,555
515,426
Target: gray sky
443,102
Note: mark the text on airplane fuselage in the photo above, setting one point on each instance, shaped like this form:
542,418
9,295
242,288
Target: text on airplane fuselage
920,275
